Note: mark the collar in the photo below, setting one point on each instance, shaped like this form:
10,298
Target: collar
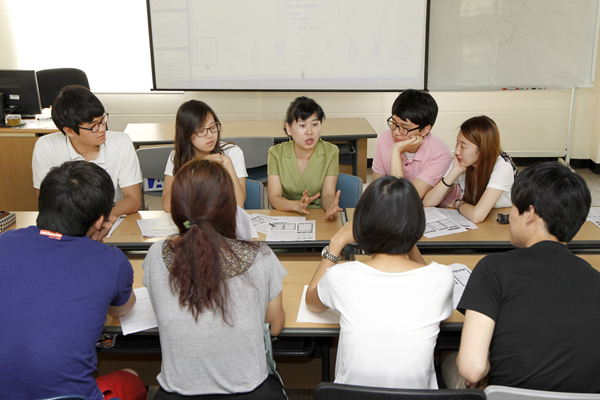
75,156
314,164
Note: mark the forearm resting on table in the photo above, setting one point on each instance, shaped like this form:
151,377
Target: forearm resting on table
131,202
313,302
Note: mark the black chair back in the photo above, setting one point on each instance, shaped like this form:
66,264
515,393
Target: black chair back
51,81
336,391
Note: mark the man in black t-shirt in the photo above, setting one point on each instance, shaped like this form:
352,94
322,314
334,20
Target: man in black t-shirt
533,314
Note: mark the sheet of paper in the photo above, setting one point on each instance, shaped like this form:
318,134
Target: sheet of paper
261,222
305,315
440,222
141,316
594,216
117,222
148,228
291,231
461,276
165,223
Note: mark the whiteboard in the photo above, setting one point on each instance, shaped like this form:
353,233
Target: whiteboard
288,44
495,44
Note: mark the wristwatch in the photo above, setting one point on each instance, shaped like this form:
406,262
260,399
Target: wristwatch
458,203
326,254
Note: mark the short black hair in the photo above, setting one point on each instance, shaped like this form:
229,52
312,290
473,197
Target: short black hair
389,217
301,108
417,106
558,195
73,196
75,105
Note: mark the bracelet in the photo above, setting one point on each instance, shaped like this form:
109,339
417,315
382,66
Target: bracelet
458,203
444,182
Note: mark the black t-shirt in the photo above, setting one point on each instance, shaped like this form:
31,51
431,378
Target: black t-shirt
545,302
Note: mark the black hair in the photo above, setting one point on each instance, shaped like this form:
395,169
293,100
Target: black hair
73,196
558,195
418,107
75,105
302,108
389,217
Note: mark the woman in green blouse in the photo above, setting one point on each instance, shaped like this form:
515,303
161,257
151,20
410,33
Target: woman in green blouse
303,172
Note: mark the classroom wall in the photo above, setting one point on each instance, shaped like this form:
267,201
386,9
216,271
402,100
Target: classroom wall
529,121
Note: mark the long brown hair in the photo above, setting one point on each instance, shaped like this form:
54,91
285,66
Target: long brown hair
191,115
202,198
483,132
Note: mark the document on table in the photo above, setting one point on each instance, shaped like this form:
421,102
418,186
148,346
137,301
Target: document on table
441,221
594,216
282,231
149,229
141,316
305,315
262,223
165,223
461,276
117,223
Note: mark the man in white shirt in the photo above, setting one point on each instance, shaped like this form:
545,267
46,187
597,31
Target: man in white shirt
82,121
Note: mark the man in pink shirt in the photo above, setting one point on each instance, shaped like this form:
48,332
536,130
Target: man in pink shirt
408,149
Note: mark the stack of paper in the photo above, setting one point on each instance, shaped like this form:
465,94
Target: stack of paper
441,221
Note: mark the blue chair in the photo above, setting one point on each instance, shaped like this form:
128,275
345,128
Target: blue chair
256,155
336,391
351,187
255,195
152,163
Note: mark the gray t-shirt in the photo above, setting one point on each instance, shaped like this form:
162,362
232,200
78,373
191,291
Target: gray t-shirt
209,356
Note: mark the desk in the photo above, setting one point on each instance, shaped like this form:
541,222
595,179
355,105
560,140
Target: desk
492,236
128,236
15,163
354,130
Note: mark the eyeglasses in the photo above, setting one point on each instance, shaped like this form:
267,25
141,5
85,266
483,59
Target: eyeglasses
393,126
96,127
204,131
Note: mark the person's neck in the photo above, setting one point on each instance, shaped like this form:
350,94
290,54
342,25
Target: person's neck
541,237
302,155
200,154
89,153
392,263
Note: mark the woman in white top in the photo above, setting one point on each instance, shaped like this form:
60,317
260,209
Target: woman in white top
481,174
391,306
198,135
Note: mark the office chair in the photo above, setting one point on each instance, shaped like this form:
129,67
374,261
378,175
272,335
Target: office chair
152,163
336,391
255,195
51,81
68,397
256,155
495,392
351,187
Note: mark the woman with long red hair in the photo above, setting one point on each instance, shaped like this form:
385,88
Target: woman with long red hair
481,174
212,294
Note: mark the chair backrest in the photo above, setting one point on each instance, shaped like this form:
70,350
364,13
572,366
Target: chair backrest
351,187
495,392
153,161
51,81
255,195
256,149
68,397
336,391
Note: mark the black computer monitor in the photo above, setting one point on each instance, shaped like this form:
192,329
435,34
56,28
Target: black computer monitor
19,93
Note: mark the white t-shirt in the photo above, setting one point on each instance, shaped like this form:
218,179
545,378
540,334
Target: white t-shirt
234,152
389,322
117,157
502,178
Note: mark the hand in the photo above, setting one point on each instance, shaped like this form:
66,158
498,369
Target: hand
343,237
106,225
305,201
459,169
412,143
478,385
334,208
216,157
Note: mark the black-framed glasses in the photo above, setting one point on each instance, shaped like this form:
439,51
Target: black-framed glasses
204,131
96,127
393,126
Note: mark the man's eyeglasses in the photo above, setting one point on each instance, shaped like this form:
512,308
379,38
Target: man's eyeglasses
96,127
393,126
213,129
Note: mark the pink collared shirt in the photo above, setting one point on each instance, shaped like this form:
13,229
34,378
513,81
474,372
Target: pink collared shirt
429,163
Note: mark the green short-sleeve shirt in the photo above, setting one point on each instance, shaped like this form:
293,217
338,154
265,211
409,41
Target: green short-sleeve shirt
323,162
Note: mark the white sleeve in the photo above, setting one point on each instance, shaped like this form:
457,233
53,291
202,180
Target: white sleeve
237,158
502,176
326,288
129,165
170,164
243,229
41,161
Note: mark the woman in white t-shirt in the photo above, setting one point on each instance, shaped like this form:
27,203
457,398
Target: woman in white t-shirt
390,306
481,175
198,135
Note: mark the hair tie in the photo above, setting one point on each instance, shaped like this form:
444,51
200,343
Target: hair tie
189,224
